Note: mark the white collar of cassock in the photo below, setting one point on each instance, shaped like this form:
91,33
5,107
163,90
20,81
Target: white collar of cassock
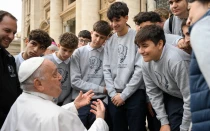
41,95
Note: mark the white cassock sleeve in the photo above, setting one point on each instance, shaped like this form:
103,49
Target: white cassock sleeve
71,107
31,113
99,125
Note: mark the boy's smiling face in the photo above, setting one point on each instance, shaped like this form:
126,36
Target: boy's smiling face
118,24
150,51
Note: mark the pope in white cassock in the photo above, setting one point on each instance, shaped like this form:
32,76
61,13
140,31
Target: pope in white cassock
34,110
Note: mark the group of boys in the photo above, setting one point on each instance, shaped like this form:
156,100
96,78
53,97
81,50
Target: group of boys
131,70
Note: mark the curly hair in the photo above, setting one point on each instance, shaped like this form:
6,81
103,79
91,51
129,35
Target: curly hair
41,37
68,40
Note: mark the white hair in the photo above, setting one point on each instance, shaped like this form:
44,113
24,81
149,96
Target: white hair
53,48
28,84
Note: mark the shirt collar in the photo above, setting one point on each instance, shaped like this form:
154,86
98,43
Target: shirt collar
90,48
59,60
41,95
20,57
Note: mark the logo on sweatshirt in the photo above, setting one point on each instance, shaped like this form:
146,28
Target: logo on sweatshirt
64,74
95,63
162,80
122,52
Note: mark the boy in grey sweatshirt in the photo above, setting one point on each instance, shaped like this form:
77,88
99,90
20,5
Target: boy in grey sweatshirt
68,42
122,73
36,44
165,72
87,70
149,18
179,11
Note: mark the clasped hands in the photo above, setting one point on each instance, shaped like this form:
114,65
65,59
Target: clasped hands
117,100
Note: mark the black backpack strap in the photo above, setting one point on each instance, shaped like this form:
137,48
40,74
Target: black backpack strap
170,22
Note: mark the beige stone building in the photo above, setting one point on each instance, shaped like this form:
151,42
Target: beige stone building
58,16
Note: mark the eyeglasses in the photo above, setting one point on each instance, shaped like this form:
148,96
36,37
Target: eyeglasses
84,41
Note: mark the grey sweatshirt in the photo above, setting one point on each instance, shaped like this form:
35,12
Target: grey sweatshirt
172,39
176,26
64,70
169,75
200,42
122,70
87,71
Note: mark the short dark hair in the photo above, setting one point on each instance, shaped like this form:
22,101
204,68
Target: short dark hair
102,27
147,16
116,10
85,34
136,18
184,23
201,1
41,37
150,32
68,40
5,13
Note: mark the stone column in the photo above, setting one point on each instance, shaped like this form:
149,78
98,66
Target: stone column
55,19
22,45
151,5
134,9
35,14
89,14
143,5
78,16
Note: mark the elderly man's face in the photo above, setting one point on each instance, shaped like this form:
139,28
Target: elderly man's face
52,79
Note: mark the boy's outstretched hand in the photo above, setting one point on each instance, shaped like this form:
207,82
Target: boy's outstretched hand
98,109
83,99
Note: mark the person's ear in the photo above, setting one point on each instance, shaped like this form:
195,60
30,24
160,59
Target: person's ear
38,85
91,33
59,45
26,41
126,17
160,44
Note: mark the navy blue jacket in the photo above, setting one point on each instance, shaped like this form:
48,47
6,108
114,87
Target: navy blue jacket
200,98
200,95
